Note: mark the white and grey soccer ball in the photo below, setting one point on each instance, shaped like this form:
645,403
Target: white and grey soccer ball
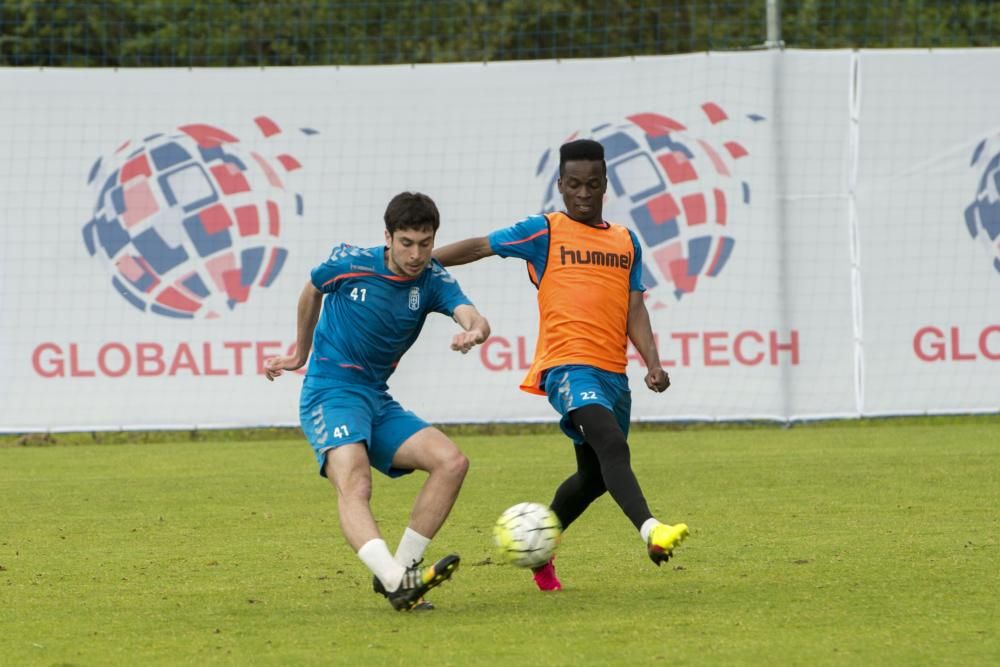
527,534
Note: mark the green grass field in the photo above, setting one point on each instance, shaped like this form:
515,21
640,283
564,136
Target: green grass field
871,543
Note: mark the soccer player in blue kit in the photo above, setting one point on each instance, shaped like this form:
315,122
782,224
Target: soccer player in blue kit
359,313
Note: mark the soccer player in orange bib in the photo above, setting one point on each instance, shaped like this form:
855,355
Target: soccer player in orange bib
590,304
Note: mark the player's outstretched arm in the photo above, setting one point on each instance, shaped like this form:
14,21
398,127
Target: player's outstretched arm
640,332
477,329
310,305
463,252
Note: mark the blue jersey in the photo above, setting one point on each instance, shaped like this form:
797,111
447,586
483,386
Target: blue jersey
371,316
529,240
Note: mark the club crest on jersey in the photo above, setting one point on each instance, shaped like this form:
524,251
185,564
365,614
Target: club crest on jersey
414,298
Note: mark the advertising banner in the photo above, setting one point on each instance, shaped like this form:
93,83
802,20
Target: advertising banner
929,217
808,250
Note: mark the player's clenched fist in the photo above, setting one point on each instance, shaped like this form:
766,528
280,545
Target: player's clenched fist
657,379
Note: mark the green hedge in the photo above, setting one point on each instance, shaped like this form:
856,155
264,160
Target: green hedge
190,33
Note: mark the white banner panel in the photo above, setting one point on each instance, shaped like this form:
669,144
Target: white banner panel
929,218
158,226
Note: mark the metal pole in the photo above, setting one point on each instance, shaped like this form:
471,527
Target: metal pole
773,25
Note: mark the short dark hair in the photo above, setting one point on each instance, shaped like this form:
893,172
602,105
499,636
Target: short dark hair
581,149
411,210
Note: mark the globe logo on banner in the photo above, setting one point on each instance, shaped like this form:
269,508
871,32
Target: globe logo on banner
189,221
982,216
674,188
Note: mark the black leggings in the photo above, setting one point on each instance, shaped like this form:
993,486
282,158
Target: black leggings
603,463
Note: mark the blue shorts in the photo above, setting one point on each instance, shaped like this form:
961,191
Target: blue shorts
334,413
572,387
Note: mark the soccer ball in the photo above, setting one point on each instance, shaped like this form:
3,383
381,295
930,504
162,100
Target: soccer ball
527,534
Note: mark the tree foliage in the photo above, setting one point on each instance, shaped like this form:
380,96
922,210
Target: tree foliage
197,33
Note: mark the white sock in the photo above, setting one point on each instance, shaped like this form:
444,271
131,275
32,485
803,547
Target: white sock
375,554
411,547
647,528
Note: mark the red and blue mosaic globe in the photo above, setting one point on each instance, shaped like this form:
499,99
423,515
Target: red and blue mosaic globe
675,190
982,216
189,221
